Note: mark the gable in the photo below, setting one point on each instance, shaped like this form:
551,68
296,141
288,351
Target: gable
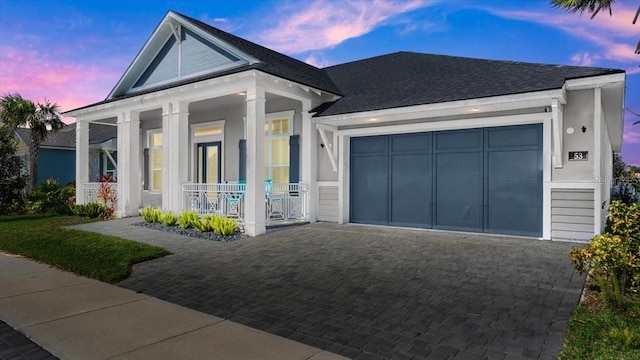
176,51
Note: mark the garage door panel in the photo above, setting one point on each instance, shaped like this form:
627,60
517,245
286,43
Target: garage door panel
411,185
458,140
459,190
513,164
369,190
420,142
513,136
369,145
514,184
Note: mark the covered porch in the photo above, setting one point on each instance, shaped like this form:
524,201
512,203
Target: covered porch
241,146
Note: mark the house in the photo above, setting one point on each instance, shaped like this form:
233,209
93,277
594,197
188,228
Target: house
57,155
211,122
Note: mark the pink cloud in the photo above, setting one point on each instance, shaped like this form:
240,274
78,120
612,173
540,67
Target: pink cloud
615,35
69,84
317,60
631,136
325,24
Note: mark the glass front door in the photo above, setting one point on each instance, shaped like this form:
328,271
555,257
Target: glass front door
209,162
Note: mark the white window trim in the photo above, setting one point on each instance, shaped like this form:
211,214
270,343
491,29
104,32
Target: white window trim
105,168
149,134
195,140
274,116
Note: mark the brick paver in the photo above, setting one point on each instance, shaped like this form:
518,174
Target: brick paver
372,292
15,346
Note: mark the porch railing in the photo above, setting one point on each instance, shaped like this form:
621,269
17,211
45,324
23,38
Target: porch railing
90,191
283,202
286,202
222,199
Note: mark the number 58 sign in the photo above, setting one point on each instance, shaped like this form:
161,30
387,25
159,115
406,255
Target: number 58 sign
578,155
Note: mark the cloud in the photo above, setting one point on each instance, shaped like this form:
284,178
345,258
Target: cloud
317,60
584,59
35,75
631,137
615,35
326,24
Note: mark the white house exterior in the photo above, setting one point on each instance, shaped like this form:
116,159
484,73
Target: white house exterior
214,123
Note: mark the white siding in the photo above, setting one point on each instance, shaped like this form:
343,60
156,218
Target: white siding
328,203
163,67
572,214
198,55
151,199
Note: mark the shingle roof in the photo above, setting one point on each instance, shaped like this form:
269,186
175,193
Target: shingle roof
66,137
406,79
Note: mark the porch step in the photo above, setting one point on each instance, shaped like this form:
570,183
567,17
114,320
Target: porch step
284,225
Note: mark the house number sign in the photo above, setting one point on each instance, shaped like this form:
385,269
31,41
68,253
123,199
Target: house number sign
578,155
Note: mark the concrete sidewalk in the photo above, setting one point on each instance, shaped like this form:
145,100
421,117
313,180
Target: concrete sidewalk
78,318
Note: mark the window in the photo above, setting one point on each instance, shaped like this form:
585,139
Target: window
277,129
109,166
155,161
24,164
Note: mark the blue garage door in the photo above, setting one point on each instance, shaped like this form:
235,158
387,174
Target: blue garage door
482,180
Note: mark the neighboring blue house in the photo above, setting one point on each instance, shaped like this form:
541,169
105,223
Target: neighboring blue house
58,153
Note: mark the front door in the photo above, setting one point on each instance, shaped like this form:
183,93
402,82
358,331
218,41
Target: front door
209,162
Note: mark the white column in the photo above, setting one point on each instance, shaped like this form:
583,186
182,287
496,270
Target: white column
597,159
166,158
128,164
309,160
255,211
82,159
175,151
343,179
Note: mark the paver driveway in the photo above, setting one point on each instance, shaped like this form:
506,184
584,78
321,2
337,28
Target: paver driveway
372,292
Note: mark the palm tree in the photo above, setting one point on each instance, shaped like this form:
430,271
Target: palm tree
593,7
16,112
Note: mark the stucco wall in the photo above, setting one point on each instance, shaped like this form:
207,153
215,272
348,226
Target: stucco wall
578,112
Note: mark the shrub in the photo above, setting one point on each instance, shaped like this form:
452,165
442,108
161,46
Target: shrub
613,258
203,224
90,210
50,196
187,219
107,194
12,178
224,226
169,219
151,214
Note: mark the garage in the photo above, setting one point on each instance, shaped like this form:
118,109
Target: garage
479,180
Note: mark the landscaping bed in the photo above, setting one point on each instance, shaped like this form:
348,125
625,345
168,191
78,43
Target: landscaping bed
208,235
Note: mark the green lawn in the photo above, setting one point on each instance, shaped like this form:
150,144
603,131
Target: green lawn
102,257
603,333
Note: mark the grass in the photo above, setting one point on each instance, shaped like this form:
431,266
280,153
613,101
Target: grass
102,257
598,332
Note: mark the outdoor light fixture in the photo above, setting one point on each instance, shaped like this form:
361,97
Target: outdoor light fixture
584,129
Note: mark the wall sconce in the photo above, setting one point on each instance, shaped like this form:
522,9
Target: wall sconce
584,129
322,145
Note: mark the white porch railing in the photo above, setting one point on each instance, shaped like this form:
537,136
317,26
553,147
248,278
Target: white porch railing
284,202
90,191
222,199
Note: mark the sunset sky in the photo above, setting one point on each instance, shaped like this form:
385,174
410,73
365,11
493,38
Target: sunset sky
74,52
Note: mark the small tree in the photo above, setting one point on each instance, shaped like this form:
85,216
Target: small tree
41,119
12,179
